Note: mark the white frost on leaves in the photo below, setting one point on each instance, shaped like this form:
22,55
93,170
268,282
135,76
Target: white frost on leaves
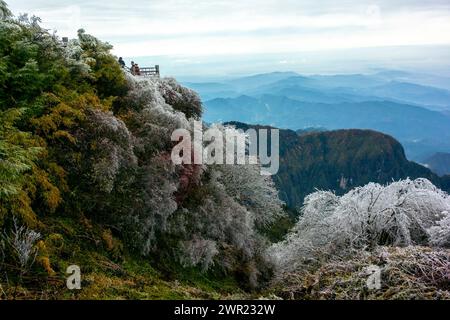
155,119
440,233
198,252
22,241
402,213
113,146
231,201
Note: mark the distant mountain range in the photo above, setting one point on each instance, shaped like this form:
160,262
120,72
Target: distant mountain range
439,163
421,131
392,86
339,161
416,114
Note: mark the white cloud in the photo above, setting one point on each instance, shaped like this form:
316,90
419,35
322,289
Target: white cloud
207,27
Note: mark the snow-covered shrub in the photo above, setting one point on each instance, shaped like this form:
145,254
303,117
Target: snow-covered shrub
199,215
22,243
212,214
400,214
226,205
153,203
252,190
151,120
109,146
181,98
198,252
244,182
215,214
440,233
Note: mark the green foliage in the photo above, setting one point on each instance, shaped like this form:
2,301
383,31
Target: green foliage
17,153
45,92
44,95
106,73
31,61
280,228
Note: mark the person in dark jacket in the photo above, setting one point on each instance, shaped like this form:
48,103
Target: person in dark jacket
121,62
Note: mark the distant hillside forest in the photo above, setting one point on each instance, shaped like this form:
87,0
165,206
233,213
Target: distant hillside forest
339,161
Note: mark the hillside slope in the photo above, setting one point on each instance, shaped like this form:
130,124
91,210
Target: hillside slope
339,160
87,179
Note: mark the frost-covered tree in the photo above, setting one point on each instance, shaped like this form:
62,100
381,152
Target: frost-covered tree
4,10
245,183
149,117
153,203
213,211
252,190
181,98
242,177
400,214
21,242
440,233
213,217
198,251
109,146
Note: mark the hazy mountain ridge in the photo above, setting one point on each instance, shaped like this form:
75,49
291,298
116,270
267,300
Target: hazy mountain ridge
439,163
416,114
421,131
397,86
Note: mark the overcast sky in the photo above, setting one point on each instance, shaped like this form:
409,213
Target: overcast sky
212,27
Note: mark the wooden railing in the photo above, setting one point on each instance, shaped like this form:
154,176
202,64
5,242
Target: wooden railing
149,71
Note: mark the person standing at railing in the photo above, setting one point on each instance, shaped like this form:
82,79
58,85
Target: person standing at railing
121,62
137,70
